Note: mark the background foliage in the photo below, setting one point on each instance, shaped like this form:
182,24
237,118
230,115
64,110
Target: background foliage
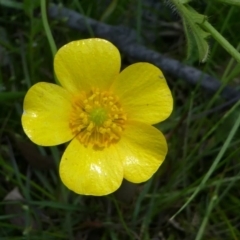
201,173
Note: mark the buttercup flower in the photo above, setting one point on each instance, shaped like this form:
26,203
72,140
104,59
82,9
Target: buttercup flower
107,115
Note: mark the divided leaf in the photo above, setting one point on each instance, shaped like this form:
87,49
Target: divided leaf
194,33
196,37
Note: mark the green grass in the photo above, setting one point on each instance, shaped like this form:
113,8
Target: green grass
194,195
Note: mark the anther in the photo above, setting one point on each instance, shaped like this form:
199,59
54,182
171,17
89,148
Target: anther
97,119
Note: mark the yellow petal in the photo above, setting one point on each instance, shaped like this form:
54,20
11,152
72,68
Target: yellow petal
143,149
91,172
45,118
83,64
144,93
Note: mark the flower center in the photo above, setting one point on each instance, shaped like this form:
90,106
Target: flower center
97,118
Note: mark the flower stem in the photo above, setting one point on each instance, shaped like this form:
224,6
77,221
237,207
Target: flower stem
47,28
48,31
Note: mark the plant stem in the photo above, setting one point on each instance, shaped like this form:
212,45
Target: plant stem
48,31
47,28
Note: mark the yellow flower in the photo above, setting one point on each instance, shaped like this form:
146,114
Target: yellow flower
107,115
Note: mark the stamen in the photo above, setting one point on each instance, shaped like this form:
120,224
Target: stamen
97,119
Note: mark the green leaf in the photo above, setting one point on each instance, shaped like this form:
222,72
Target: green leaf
190,40
202,44
198,29
194,33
